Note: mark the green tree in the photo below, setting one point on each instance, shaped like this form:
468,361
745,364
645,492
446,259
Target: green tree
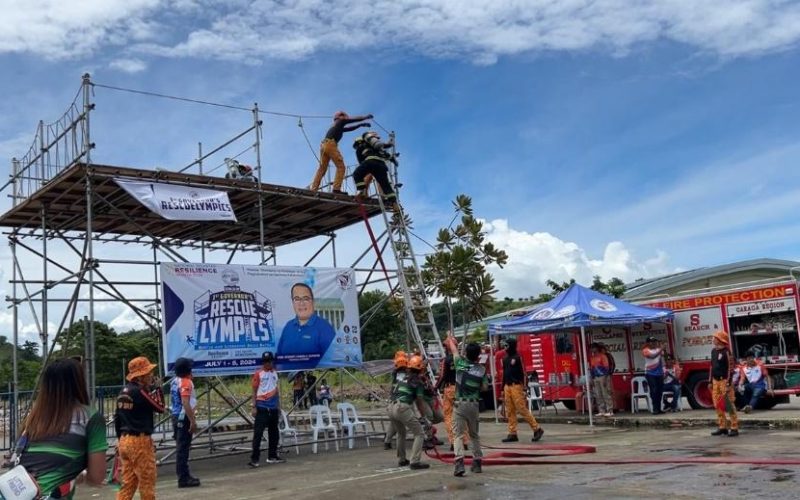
28,364
614,287
382,330
456,271
112,350
29,351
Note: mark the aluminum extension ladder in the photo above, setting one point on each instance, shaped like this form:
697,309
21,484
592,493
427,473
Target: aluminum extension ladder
419,316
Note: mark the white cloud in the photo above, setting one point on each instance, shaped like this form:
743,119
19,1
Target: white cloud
128,65
478,30
126,321
533,258
57,30
16,146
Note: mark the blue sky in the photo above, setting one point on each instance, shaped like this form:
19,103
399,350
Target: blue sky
620,138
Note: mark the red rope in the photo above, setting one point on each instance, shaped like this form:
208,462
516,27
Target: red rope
375,241
531,455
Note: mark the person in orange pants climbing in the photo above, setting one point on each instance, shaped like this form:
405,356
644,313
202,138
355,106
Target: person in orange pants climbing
721,379
134,424
514,394
329,148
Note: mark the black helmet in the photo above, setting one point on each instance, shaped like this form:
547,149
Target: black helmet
267,357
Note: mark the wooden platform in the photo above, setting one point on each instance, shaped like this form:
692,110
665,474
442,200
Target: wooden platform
290,214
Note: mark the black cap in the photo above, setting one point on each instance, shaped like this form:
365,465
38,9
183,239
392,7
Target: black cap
267,357
652,339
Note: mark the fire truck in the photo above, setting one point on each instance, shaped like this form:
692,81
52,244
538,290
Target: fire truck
761,318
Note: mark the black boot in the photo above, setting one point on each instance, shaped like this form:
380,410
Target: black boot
720,432
733,433
512,438
387,446
459,471
537,434
476,466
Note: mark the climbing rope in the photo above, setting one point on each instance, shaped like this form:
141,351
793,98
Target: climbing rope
205,103
308,141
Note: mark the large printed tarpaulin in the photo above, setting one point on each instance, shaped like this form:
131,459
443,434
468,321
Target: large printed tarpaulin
225,316
579,306
177,202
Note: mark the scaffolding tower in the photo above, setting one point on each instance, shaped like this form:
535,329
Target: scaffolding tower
70,217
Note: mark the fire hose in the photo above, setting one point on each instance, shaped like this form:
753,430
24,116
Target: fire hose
533,454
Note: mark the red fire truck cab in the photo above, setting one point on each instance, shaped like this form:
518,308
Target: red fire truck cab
761,319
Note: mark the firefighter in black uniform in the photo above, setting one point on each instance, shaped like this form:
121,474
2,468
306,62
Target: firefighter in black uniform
372,155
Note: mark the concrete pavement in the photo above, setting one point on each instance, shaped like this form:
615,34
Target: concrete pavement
371,473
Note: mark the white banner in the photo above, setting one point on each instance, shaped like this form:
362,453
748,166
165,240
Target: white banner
177,202
766,306
614,340
639,334
225,316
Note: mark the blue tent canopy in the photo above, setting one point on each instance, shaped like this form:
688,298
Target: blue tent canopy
577,307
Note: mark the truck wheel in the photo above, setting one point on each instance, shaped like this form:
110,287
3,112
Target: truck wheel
699,392
569,404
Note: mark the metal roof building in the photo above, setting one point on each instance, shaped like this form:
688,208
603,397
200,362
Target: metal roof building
736,273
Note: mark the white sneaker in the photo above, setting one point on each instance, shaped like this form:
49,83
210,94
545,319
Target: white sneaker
601,414
609,414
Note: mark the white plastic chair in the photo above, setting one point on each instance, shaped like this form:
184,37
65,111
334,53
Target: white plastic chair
640,389
321,420
350,421
287,430
535,394
668,392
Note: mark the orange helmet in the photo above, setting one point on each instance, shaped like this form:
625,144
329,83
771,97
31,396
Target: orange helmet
415,362
400,359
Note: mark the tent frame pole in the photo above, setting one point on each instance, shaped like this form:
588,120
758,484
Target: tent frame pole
494,375
586,376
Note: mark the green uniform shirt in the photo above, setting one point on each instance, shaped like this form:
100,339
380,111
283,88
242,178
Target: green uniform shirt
59,459
470,377
408,387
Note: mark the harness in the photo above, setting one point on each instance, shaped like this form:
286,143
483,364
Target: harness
365,151
470,381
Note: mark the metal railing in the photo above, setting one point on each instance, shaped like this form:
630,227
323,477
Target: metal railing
12,416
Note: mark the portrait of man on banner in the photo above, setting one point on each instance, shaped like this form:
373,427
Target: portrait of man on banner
305,338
